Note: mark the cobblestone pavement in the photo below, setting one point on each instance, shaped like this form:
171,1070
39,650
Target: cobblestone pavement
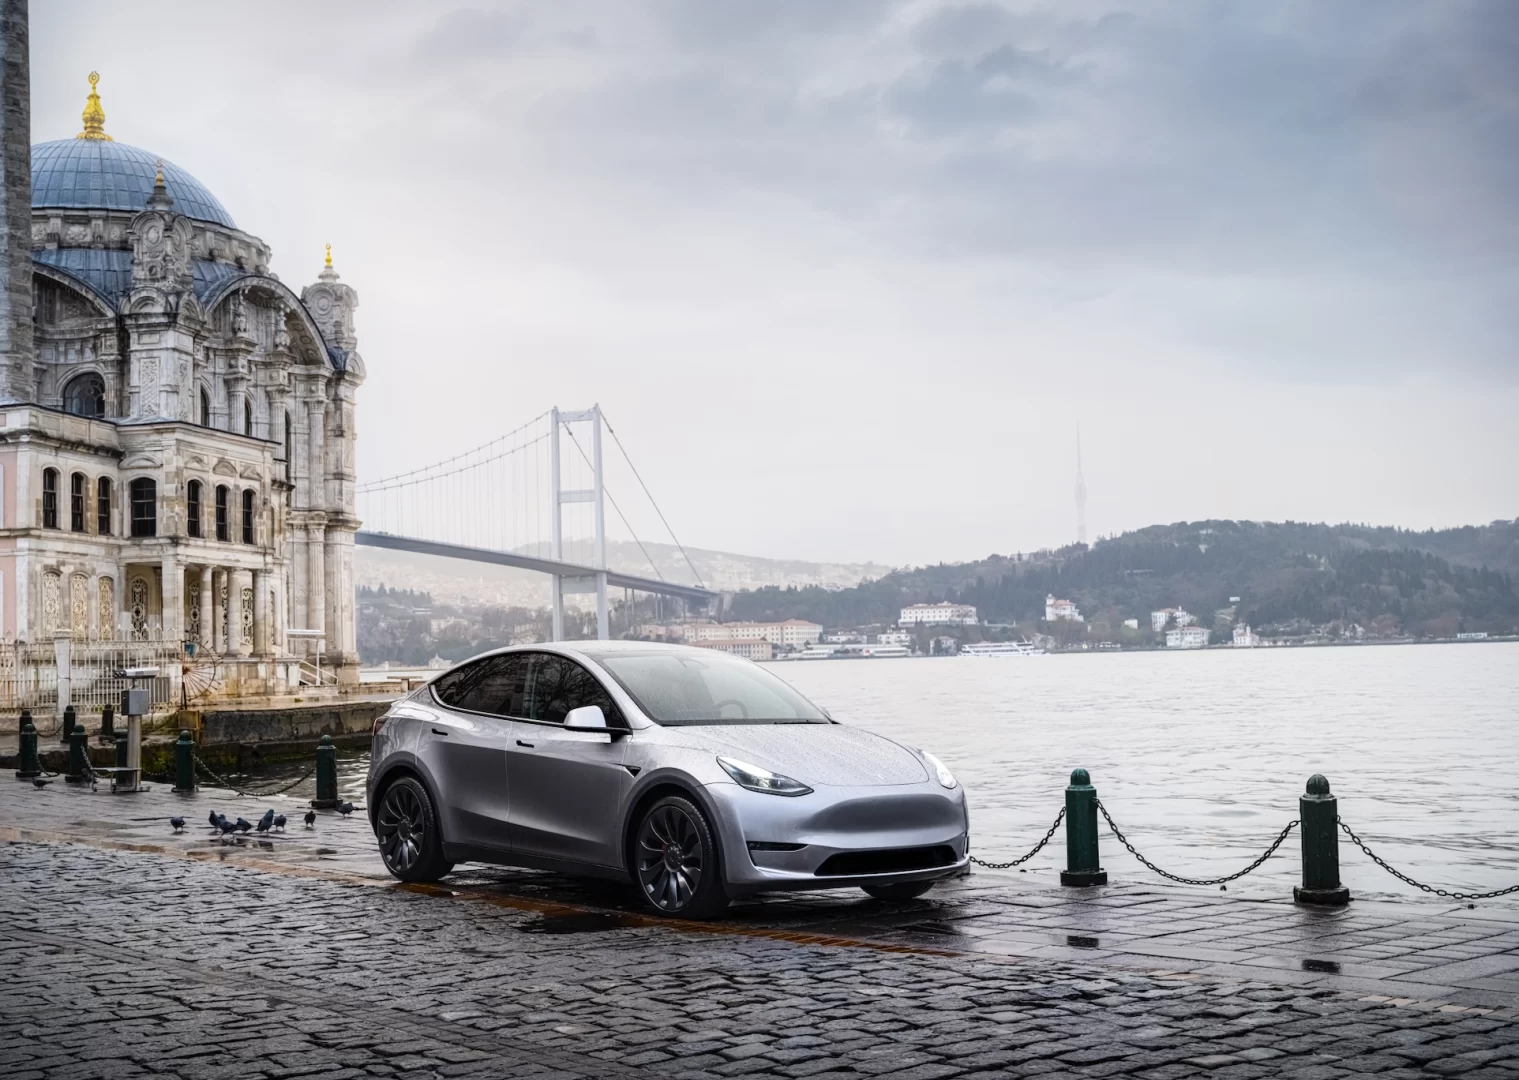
126,963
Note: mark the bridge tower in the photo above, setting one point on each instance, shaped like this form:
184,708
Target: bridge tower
596,496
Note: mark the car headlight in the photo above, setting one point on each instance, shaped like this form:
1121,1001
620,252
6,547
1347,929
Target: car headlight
757,779
942,774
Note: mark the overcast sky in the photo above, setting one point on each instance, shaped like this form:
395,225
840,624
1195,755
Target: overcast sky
846,275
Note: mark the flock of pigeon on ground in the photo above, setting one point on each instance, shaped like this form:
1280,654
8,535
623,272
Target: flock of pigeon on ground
266,824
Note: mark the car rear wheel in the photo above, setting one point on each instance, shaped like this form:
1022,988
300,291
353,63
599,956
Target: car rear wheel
407,828
901,890
676,863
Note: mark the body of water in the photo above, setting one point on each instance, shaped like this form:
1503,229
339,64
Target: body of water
1200,756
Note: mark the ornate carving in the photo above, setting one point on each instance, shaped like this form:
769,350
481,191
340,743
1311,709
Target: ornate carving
248,617
138,597
52,602
77,233
107,608
225,638
192,597
79,605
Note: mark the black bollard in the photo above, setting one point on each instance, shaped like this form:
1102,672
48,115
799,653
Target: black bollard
121,749
107,724
30,766
326,775
184,764
26,718
1320,815
78,748
69,718
1081,861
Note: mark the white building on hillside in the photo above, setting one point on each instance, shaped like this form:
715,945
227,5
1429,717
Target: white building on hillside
1159,620
1186,637
1060,610
793,632
1245,638
749,649
945,614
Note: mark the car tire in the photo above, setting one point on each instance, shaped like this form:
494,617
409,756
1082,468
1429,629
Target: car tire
406,826
677,865
900,890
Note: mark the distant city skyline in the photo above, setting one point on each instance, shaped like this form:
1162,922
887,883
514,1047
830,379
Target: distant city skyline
839,270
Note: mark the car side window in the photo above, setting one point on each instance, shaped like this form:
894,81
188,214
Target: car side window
559,685
496,685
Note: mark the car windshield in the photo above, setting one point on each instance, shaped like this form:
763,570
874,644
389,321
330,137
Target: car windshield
679,689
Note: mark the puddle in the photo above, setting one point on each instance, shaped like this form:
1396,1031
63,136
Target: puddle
941,929
1078,941
577,922
1328,967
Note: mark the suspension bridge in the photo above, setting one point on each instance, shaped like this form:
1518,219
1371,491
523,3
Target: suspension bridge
535,498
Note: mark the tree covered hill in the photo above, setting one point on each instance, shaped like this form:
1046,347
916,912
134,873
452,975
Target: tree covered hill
1388,581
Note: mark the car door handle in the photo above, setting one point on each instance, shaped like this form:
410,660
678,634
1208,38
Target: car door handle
439,731
526,744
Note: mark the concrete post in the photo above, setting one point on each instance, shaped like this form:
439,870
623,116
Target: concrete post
63,656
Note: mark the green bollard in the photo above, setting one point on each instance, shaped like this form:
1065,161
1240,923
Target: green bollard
26,718
326,775
184,764
107,724
30,766
78,748
1081,833
1320,815
70,717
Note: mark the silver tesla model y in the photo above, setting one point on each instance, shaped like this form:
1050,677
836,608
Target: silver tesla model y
694,775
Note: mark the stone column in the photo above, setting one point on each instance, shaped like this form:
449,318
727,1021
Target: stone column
207,626
261,639
218,638
17,378
316,578
235,580
172,589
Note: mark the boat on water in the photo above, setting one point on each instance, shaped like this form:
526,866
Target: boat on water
1001,648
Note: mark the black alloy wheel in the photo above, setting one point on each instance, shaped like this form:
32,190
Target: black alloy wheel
676,862
407,828
901,890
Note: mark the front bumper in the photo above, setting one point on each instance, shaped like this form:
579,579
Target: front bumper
923,819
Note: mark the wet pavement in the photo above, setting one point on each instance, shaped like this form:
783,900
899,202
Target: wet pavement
137,951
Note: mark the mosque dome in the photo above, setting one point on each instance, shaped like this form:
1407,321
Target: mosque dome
94,172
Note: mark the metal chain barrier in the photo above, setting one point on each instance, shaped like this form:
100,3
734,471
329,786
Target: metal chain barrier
1037,848
1374,857
1270,851
223,782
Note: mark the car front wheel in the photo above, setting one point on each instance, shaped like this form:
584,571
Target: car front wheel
407,828
676,863
901,890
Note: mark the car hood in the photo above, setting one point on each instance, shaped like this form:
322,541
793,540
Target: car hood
829,754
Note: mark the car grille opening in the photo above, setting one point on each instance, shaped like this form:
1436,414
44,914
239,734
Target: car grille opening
890,861
766,845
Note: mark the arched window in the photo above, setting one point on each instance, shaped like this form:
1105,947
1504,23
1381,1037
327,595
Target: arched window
205,408
78,485
49,498
221,513
85,396
247,416
144,507
192,509
247,515
103,506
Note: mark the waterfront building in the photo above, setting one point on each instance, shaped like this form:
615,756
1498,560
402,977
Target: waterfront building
1131,624
792,633
1186,637
176,423
1159,620
1245,638
942,614
748,648
894,637
1060,610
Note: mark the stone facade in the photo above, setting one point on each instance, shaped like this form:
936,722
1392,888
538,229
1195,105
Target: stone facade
184,461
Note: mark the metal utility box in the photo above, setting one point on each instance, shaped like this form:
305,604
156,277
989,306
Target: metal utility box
135,702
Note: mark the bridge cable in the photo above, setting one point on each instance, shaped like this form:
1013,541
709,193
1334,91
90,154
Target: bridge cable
448,461
607,492
650,495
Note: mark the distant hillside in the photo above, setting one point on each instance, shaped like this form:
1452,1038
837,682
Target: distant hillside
1389,581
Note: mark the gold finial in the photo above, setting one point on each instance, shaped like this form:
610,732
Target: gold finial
158,181
94,115
329,254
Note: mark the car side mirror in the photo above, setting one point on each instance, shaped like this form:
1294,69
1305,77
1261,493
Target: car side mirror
586,718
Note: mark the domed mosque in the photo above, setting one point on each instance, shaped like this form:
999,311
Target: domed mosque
178,463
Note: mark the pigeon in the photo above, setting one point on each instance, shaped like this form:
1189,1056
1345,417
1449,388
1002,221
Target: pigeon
310,819
242,825
226,826
215,819
345,808
39,783
265,821
178,823
279,822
